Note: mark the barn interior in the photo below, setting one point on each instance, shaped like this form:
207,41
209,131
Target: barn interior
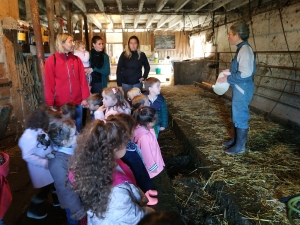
186,44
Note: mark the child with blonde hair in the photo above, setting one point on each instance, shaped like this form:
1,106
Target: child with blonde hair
132,93
84,55
140,101
105,185
113,103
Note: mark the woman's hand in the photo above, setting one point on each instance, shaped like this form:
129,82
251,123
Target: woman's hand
141,80
85,104
222,79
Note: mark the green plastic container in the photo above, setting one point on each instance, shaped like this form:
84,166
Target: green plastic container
157,70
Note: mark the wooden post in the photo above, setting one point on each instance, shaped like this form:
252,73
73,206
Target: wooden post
80,28
58,14
38,40
86,33
28,11
50,17
69,18
90,35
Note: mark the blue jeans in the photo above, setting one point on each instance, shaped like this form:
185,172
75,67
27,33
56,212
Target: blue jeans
96,88
69,220
241,97
78,119
127,87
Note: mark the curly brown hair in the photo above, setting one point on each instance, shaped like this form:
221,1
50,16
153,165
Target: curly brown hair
93,162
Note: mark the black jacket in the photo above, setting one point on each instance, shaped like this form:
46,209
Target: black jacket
129,70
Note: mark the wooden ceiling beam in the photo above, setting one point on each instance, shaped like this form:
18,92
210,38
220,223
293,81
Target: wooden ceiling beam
160,4
123,21
141,4
150,20
235,4
164,20
119,2
180,4
218,4
199,4
94,20
175,21
80,5
100,5
136,21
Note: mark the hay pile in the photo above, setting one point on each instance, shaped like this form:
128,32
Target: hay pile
268,171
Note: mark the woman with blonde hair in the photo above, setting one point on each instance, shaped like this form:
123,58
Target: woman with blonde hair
129,70
65,78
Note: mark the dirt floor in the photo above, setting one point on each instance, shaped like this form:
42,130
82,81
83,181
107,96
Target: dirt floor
222,189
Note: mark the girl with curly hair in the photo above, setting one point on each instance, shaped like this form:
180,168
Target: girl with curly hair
106,189
34,151
113,103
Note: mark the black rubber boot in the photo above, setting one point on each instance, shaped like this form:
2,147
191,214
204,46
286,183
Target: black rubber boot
231,142
240,145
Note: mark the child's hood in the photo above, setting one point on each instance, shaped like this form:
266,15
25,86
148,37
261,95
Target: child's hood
139,132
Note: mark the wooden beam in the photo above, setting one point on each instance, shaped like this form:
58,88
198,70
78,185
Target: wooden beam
108,18
180,4
190,20
150,20
69,18
141,4
119,2
164,20
28,11
92,18
50,16
218,4
160,4
80,5
90,35
123,21
136,21
100,5
38,40
58,13
86,32
199,4
175,21
235,4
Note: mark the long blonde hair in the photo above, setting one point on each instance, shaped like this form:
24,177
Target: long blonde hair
127,51
60,39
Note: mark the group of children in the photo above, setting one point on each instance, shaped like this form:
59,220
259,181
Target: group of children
106,171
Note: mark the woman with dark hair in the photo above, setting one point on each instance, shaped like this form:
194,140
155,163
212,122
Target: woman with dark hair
99,62
242,70
129,70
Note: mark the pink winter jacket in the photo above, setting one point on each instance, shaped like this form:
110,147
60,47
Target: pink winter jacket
146,140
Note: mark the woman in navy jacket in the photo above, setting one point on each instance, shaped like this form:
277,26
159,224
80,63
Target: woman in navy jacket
129,70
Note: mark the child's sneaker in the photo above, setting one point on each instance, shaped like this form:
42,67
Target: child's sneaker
35,211
36,199
152,201
55,199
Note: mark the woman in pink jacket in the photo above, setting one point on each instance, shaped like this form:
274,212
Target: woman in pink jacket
145,138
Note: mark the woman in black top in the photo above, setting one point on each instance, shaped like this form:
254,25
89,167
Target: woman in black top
129,70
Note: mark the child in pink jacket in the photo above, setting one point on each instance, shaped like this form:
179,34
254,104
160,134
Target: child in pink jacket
145,138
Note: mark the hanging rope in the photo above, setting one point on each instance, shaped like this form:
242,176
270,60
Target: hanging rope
29,80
